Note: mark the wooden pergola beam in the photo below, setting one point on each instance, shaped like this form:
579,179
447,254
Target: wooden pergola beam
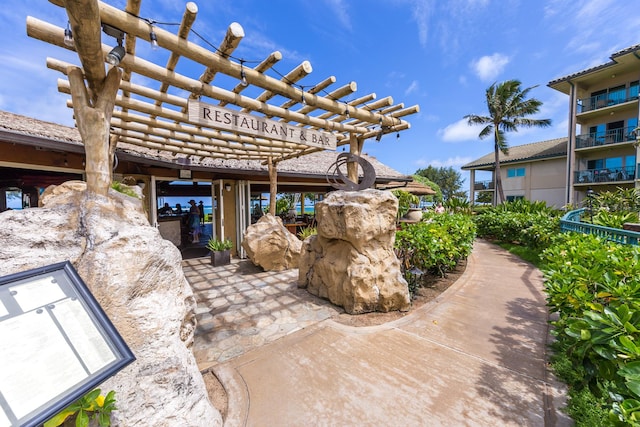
266,64
188,18
292,76
84,18
156,120
137,28
315,89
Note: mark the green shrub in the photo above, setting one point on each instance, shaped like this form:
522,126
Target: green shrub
434,245
528,223
594,285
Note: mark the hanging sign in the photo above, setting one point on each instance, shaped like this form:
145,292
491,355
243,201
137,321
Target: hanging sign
225,119
57,344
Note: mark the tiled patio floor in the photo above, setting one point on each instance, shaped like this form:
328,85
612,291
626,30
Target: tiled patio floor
241,307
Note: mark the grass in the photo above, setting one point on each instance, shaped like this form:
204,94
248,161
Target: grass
527,254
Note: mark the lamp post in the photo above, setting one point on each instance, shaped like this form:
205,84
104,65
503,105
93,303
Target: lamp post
589,203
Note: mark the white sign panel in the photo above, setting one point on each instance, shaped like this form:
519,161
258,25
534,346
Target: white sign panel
57,344
231,120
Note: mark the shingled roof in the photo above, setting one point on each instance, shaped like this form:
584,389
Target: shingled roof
520,153
613,61
67,137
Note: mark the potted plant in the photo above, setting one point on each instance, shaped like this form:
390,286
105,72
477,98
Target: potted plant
220,251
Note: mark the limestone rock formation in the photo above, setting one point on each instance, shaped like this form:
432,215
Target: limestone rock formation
351,261
270,245
137,278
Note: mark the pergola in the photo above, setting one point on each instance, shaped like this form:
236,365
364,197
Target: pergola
112,111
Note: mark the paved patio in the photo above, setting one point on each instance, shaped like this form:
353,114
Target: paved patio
240,307
477,356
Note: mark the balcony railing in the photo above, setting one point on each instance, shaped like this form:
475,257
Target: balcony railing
605,175
483,185
571,222
602,101
612,136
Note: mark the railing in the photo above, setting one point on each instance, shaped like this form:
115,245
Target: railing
612,136
602,101
483,185
571,222
605,175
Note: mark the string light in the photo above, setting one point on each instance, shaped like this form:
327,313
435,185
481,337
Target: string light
154,44
68,36
153,39
243,75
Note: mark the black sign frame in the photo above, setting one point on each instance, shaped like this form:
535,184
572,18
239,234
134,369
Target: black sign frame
51,314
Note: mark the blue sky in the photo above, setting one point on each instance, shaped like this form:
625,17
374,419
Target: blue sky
440,55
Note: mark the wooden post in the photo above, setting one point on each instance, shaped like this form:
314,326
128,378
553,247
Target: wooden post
355,147
273,186
93,120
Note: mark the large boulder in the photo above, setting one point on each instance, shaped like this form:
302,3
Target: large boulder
270,245
351,261
137,278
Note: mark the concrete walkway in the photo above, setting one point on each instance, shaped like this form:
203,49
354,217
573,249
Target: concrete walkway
477,356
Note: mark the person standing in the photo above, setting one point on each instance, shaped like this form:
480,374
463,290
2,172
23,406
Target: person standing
194,222
201,207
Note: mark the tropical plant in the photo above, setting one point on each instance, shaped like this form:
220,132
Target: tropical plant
508,110
458,205
594,286
124,189
284,203
215,245
90,406
528,223
434,245
405,201
306,232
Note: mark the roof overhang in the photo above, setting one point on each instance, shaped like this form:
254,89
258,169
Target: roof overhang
621,62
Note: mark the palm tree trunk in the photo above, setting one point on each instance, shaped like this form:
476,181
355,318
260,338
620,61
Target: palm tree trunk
497,178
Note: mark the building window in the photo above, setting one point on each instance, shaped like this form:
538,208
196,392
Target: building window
633,90
514,198
515,172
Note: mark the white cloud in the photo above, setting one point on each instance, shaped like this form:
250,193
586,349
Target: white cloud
487,68
412,87
340,11
421,12
459,131
454,162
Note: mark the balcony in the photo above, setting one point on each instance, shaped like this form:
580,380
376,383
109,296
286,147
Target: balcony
605,176
602,101
483,185
613,136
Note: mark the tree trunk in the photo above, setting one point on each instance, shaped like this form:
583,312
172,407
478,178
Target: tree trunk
93,120
273,186
497,179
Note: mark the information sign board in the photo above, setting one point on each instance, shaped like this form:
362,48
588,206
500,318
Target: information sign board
57,344
226,119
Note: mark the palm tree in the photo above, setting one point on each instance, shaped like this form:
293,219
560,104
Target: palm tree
508,110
